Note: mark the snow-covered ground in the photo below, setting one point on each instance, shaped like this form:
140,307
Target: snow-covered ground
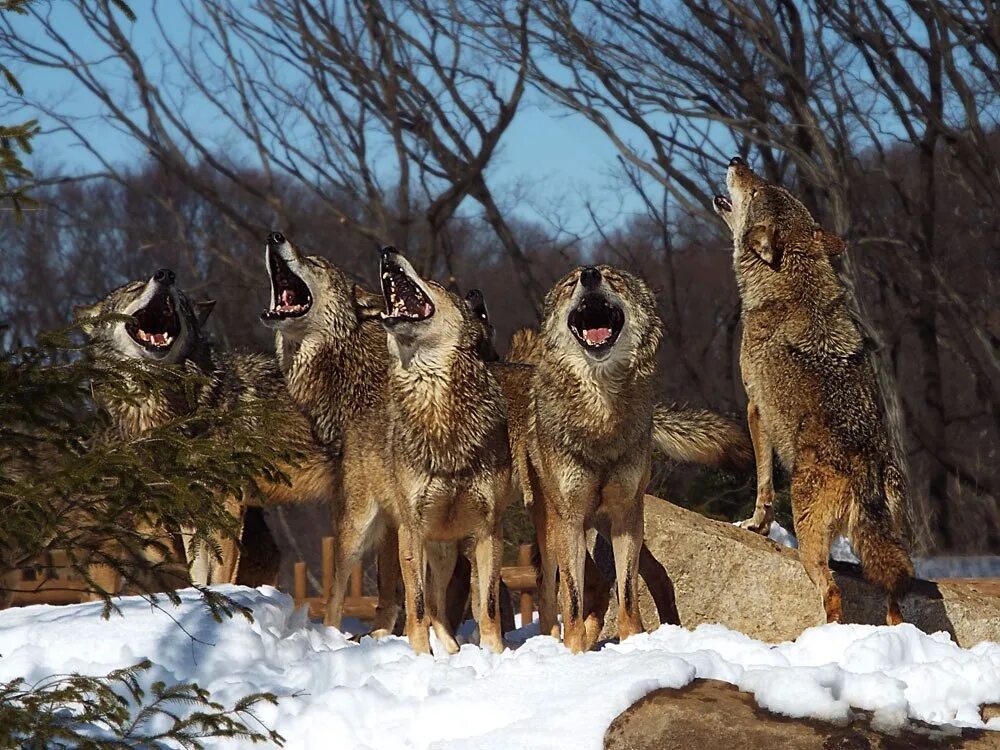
378,694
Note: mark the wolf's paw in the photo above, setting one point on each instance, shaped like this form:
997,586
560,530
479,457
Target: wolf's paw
760,523
379,633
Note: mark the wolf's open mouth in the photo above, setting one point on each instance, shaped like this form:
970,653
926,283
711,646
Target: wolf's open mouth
405,301
596,322
723,204
156,325
290,293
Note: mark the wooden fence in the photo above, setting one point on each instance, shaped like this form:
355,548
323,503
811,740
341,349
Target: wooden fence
49,580
519,578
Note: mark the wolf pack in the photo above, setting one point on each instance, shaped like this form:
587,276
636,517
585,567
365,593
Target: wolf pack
418,436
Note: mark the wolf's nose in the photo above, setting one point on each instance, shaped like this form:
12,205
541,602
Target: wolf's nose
275,238
590,277
387,250
736,161
164,276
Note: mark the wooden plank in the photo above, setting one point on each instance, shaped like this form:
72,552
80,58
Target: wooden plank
519,577
361,607
49,596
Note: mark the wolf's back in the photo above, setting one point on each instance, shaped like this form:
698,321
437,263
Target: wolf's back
700,436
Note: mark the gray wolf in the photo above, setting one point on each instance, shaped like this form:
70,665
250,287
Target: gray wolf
165,331
812,391
591,433
331,348
447,448
682,434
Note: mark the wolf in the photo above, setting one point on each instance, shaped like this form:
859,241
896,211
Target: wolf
448,450
164,331
331,348
812,391
486,344
590,435
681,433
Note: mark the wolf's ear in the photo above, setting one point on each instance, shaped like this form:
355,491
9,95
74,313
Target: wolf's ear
765,241
368,303
831,243
203,309
81,312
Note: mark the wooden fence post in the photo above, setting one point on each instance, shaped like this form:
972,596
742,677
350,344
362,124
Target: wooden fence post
527,608
357,581
327,568
299,591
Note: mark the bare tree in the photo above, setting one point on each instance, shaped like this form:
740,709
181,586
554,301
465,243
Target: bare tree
821,95
381,112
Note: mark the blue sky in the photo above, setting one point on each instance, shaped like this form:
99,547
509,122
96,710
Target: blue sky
551,159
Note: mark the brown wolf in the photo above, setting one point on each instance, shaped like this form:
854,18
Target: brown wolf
166,331
448,450
682,434
332,350
812,390
590,440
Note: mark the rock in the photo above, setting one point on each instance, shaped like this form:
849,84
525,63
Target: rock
709,713
728,575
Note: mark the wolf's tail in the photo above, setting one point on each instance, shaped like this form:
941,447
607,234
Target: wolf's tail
700,436
873,526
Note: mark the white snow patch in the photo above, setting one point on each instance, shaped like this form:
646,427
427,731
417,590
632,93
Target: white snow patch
840,549
379,694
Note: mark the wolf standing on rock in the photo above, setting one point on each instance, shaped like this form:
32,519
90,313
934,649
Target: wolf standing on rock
812,391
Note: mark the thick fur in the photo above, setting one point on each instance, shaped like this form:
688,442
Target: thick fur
680,433
700,436
812,391
335,361
590,443
449,454
233,380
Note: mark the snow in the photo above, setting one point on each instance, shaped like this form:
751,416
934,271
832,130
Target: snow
840,549
379,694
930,568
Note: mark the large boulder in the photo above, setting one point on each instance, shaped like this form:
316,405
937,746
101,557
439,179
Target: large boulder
709,713
724,574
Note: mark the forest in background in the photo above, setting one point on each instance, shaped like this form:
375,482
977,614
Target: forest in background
351,124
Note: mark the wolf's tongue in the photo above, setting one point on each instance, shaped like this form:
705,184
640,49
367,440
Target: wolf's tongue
287,297
596,335
159,339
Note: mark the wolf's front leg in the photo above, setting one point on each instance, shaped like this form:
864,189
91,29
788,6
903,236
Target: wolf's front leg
626,540
571,552
412,562
489,554
763,451
548,596
441,557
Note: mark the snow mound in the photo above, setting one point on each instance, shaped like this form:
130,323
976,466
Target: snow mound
379,694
